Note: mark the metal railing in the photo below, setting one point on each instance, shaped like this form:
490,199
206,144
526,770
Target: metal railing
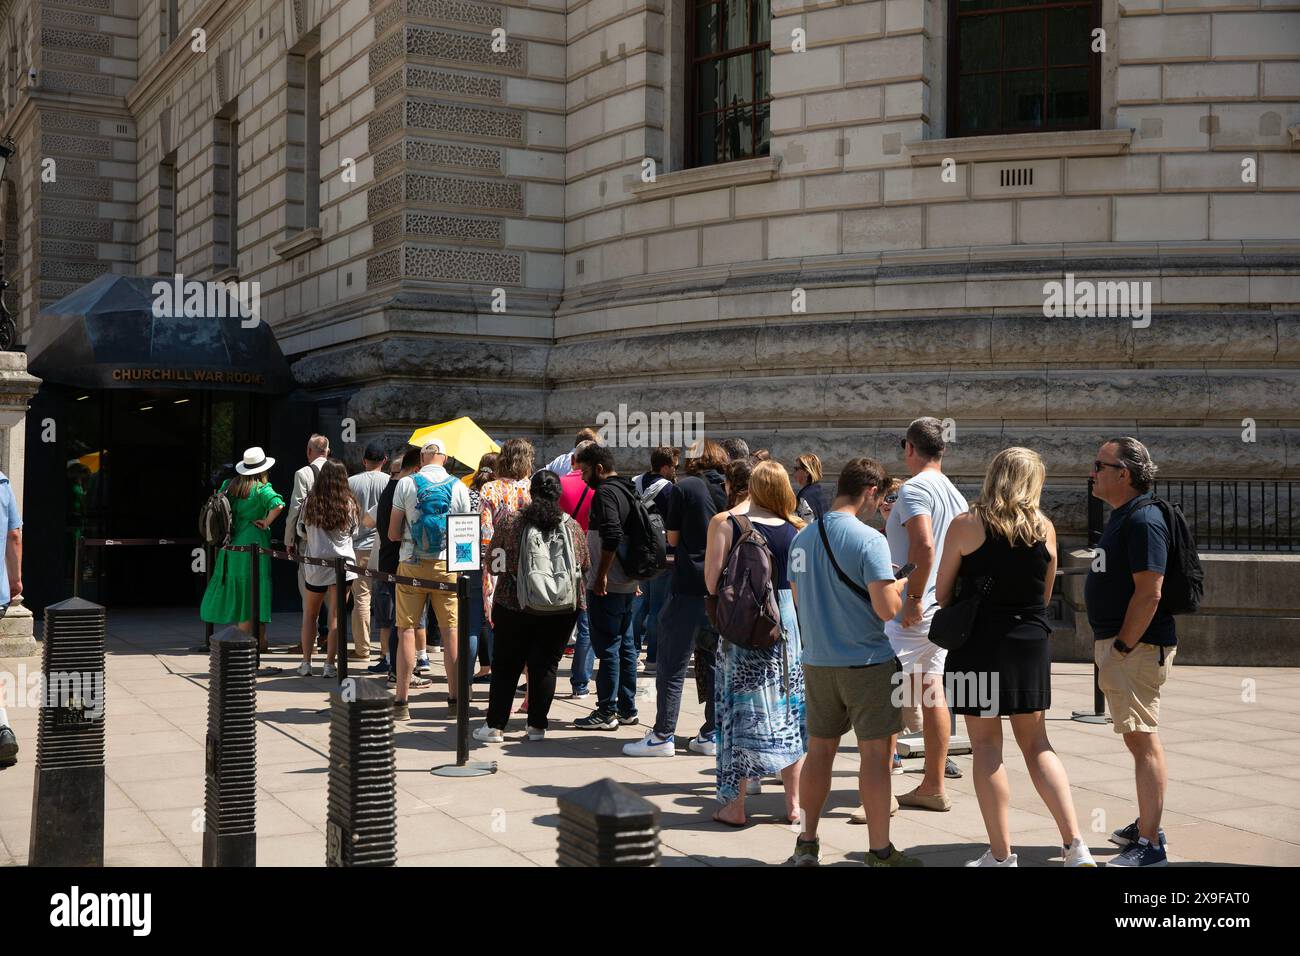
1257,515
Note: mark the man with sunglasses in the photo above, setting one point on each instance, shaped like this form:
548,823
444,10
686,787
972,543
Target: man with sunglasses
927,503
1135,640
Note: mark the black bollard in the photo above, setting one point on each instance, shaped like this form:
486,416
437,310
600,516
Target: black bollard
463,767
607,824
341,618
230,795
68,798
361,815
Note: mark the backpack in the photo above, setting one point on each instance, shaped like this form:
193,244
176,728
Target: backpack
216,519
1184,585
433,501
548,576
644,551
746,612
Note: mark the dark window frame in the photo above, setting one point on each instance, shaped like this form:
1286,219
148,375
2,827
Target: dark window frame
953,62
693,61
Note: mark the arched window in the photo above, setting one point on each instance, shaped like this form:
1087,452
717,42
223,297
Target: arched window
728,84
1020,66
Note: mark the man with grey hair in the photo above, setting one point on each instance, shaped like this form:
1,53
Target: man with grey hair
736,448
304,479
1135,641
917,525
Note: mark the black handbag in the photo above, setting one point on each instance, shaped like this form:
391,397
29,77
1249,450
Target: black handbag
952,625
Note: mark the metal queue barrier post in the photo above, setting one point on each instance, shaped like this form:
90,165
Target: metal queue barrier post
1096,518
463,556
341,618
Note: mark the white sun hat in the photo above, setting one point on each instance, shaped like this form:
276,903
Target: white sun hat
255,462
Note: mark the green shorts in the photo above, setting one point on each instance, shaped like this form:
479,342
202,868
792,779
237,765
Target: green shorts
838,698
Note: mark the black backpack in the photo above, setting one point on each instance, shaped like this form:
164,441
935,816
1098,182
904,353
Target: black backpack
644,551
215,519
1184,584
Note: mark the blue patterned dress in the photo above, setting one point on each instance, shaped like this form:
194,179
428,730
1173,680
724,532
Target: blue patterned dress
759,711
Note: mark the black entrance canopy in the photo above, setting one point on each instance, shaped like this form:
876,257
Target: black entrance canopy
122,331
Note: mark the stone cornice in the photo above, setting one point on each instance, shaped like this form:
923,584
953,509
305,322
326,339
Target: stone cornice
1018,146
739,173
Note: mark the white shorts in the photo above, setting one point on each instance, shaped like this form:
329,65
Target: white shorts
912,646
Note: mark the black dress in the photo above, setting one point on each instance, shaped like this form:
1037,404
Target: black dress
1005,667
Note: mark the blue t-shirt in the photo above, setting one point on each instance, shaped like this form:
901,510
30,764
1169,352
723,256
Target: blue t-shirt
837,626
13,521
1140,543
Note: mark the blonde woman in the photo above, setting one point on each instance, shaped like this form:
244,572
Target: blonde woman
810,502
758,695
1004,669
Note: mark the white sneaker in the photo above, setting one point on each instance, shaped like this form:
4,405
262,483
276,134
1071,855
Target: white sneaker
987,860
753,787
329,671
651,745
1078,854
488,735
304,669
536,733
701,746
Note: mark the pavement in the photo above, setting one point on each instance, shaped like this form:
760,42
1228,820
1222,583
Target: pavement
1232,736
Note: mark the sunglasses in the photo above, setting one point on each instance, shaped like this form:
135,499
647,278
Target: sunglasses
1098,465
902,443
891,497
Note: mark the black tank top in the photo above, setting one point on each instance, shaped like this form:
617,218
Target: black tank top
1019,571
778,538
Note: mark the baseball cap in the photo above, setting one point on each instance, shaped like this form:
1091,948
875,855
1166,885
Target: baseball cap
435,446
375,452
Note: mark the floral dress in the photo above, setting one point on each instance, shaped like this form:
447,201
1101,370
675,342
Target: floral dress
759,707
497,498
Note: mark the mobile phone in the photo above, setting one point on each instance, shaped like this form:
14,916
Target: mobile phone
904,571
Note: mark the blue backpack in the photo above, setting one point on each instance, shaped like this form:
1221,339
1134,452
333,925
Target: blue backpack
433,502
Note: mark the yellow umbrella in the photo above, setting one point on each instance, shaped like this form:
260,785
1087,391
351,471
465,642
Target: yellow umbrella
462,439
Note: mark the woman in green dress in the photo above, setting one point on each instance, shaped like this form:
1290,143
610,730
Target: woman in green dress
254,504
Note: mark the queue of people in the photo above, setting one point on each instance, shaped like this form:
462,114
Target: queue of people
797,619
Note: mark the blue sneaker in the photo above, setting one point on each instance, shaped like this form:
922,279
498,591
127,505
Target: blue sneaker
1125,837
1141,853
422,668
379,667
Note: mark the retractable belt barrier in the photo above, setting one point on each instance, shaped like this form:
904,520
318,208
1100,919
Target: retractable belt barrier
360,572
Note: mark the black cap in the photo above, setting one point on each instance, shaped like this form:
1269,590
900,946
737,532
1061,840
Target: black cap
375,452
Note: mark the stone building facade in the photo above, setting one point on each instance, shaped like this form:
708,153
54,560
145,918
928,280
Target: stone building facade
449,210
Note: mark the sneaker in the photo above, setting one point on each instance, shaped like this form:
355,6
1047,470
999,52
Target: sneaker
951,770
1078,854
579,695
329,671
401,710
896,858
1127,836
1141,853
753,787
597,720
807,852
631,720
937,802
568,651
379,667
896,769
8,747
989,860
392,678
422,666
703,745
859,816
304,669
488,735
536,733
651,745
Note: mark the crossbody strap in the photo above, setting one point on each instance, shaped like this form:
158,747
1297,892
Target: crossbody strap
853,585
585,488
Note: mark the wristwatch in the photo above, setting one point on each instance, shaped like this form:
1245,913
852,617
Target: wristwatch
914,597
1122,647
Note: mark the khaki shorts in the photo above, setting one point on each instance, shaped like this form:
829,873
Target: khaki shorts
410,600
838,698
1131,683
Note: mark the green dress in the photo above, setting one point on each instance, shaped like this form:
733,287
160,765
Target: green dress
228,599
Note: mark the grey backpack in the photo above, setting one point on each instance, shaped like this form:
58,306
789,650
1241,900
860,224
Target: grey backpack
548,574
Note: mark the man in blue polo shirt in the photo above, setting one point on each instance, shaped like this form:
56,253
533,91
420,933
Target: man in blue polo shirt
1135,640
11,585
844,590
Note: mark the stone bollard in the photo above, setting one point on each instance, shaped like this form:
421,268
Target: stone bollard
361,816
68,799
607,824
230,794
16,638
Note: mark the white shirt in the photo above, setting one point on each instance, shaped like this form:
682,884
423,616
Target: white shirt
404,500
562,465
